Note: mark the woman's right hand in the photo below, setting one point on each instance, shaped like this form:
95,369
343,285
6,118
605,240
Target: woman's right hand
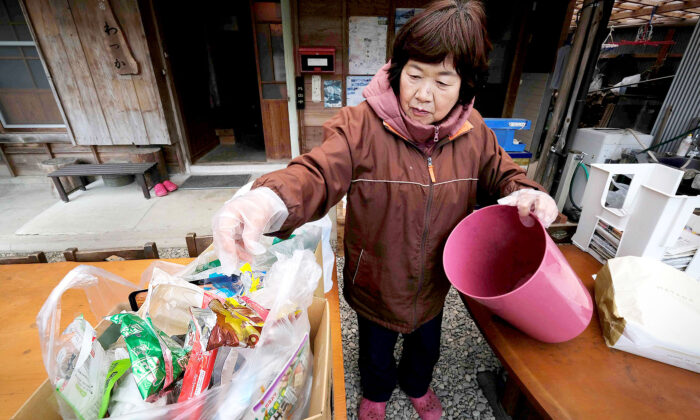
239,225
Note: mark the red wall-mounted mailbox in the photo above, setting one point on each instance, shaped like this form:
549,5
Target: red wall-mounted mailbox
317,59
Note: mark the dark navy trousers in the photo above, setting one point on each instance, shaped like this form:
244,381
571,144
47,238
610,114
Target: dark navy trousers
378,371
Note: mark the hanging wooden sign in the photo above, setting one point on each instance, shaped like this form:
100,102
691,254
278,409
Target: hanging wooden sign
122,60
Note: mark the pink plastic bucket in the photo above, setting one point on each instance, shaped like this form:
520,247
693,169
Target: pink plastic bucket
519,273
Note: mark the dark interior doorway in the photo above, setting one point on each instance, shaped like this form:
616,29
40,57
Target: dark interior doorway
212,57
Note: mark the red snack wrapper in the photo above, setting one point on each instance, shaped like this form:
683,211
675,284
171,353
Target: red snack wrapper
201,362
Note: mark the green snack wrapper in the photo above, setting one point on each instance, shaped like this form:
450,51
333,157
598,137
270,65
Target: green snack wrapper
116,370
156,359
207,266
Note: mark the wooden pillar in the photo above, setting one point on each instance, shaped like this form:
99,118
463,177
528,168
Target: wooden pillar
516,70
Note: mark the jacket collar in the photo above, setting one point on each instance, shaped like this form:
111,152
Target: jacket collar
383,101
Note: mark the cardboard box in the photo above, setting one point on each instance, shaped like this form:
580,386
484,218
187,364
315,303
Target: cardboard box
226,136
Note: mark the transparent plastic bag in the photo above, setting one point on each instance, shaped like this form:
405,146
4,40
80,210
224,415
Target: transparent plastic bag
104,292
308,237
282,357
284,343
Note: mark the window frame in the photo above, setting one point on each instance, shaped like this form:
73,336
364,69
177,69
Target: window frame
4,126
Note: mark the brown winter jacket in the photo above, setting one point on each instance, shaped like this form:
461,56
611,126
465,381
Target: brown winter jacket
399,214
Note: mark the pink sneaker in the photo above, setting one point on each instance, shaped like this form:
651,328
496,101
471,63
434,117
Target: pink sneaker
428,406
160,190
370,410
170,186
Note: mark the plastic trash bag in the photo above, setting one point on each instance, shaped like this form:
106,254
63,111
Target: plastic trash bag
281,363
326,228
282,358
104,291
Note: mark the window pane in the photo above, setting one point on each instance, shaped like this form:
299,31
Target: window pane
13,26
14,10
38,72
277,52
4,17
23,33
6,33
14,74
35,106
274,91
9,52
30,52
263,36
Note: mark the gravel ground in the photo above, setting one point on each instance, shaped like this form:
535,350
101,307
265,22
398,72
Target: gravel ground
464,353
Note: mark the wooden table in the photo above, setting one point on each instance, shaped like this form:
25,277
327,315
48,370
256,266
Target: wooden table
25,287
583,378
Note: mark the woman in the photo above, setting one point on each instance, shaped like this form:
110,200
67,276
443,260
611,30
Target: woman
412,160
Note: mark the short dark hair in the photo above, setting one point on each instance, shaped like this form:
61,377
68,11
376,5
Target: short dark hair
446,28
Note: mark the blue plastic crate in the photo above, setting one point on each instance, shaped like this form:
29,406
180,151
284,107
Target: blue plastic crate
505,128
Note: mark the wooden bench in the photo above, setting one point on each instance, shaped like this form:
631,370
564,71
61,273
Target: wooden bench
137,169
35,258
197,244
148,252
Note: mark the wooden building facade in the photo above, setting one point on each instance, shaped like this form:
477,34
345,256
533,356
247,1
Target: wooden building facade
120,75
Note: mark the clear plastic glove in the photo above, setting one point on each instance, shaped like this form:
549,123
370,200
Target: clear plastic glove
239,225
540,204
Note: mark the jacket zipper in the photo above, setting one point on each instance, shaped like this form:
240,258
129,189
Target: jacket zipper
424,238
426,219
430,169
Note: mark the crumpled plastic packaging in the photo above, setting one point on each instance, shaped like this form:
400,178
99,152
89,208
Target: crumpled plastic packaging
201,361
80,371
127,401
156,360
237,324
168,301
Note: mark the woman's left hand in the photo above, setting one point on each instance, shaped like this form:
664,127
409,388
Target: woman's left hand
540,204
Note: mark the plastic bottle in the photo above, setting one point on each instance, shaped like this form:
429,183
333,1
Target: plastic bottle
684,146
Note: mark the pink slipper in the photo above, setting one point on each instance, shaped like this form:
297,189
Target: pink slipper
428,406
170,186
370,410
160,190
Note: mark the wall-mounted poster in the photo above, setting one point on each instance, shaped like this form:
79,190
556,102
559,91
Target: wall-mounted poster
403,15
332,95
367,43
354,85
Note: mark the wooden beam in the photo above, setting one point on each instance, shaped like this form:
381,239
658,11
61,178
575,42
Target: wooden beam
646,11
647,2
96,155
663,51
47,146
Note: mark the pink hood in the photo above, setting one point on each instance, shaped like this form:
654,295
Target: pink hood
380,96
